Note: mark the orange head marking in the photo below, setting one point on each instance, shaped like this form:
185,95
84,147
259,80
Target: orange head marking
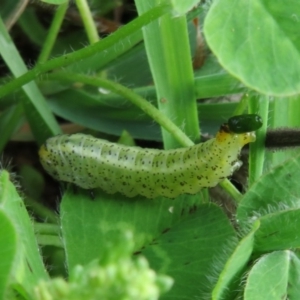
224,134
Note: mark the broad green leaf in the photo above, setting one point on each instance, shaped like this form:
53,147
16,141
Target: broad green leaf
182,7
235,265
85,222
193,252
112,114
217,85
8,250
274,276
29,268
276,191
278,231
257,41
109,118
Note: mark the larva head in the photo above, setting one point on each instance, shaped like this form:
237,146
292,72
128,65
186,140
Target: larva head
244,123
239,130
226,136
226,151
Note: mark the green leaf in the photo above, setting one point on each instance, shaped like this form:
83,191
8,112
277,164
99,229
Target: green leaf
278,231
258,42
111,114
182,7
29,268
215,85
101,117
172,72
8,250
276,191
235,265
274,276
39,116
193,252
85,223
10,120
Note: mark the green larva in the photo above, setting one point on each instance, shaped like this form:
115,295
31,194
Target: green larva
91,163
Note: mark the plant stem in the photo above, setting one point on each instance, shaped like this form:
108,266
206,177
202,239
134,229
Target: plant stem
46,228
49,240
240,109
258,104
41,210
231,190
88,21
52,33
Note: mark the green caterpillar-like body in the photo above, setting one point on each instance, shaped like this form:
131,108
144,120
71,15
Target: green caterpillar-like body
94,163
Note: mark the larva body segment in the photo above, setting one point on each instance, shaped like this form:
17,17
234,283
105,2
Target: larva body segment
93,163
